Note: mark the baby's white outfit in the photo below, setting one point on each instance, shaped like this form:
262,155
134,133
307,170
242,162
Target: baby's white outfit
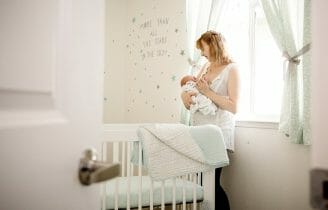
200,102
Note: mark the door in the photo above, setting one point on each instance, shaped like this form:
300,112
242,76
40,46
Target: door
51,66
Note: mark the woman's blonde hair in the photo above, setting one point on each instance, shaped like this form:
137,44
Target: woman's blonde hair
217,46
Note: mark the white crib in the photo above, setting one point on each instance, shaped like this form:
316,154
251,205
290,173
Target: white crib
135,190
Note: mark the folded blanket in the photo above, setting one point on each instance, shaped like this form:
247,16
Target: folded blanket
171,150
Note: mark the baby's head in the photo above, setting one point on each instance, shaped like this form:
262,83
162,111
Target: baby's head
187,78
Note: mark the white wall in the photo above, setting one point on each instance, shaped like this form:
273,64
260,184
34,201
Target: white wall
319,84
266,172
319,101
115,62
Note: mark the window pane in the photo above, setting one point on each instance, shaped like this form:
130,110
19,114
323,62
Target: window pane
261,87
235,28
268,70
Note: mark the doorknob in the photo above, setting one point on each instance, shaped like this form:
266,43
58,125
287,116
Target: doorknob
91,170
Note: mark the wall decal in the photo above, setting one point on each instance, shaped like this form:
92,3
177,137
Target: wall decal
155,43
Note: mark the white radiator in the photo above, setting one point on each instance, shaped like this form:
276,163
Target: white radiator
135,190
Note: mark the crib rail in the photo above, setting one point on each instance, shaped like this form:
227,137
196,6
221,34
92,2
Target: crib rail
119,140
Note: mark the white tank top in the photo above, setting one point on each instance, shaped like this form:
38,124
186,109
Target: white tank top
222,118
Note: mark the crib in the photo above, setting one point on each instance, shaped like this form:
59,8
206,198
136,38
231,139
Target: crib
134,189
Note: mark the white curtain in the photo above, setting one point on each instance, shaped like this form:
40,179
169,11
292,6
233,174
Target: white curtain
293,43
202,15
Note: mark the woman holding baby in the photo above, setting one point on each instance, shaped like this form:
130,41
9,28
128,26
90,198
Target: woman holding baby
218,80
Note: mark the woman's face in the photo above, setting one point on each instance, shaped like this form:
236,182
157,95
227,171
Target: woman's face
206,50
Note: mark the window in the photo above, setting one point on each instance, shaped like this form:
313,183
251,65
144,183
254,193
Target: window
260,62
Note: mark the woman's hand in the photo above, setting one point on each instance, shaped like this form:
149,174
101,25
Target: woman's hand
202,86
186,98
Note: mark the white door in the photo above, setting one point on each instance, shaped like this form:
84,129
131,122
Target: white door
51,66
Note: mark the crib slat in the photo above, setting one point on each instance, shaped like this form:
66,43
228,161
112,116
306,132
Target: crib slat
194,189
163,195
184,193
116,159
128,176
115,151
116,193
123,159
132,169
140,176
104,186
174,193
151,195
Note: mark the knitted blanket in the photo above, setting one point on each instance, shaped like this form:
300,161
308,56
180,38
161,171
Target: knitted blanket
171,150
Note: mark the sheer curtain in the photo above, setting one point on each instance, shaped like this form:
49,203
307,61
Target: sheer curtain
284,17
202,15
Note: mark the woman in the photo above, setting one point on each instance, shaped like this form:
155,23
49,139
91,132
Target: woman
219,81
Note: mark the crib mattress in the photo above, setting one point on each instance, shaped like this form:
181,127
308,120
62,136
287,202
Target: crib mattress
146,183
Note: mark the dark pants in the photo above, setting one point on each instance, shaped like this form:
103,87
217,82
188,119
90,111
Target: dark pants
221,198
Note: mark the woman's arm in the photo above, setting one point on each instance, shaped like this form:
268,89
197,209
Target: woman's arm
201,72
186,98
228,103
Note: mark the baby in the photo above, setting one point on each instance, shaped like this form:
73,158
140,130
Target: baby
200,102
